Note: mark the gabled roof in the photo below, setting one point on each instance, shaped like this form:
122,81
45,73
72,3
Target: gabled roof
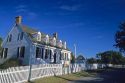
30,31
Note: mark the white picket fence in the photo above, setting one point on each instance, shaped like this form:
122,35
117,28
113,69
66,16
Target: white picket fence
21,74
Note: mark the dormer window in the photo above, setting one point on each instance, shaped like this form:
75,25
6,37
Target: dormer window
54,41
64,45
47,39
38,36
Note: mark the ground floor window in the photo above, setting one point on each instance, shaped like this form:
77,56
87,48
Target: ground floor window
21,52
61,56
46,54
50,54
4,53
1,53
54,57
38,52
42,53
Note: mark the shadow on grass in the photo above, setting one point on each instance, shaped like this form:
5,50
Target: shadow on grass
96,71
30,82
81,74
64,78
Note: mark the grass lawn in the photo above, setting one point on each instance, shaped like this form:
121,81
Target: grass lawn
64,78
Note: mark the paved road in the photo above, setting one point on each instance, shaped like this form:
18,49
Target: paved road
113,76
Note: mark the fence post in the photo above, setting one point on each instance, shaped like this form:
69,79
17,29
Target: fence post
29,77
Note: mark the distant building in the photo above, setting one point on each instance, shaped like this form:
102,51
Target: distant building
32,46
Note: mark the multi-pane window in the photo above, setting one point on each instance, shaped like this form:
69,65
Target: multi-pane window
20,36
61,56
1,53
38,52
9,38
65,56
50,54
21,52
42,53
46,54
4,53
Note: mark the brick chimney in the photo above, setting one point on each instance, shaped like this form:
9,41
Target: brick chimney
55,35
18,19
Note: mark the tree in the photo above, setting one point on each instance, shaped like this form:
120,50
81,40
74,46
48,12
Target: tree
0,43
112,57
120,38
91,60
72,58
80,59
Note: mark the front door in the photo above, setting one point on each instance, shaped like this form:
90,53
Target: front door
54,57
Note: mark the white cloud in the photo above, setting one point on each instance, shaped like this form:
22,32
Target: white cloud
70,8
31,15
98,37
21,6
24,11
77,24
21,9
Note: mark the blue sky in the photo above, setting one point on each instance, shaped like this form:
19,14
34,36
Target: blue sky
90,24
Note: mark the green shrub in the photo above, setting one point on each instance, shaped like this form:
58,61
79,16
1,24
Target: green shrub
10,63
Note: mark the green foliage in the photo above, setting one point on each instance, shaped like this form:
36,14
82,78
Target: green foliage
10,63
91,60
0,45
1,41
120,37
112,57
72,58
80,57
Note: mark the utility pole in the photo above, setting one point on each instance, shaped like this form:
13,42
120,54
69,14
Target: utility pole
75,50
30,62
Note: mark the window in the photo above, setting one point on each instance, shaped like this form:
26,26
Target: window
20,52
42,53
38,52
65,57
9,38
50,54
18,37
46,54
5,52
60,56
21,36
1,54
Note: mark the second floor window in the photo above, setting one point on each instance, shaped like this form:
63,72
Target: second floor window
9,38
20,36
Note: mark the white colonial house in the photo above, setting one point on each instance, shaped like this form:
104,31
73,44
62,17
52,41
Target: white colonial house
32,46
